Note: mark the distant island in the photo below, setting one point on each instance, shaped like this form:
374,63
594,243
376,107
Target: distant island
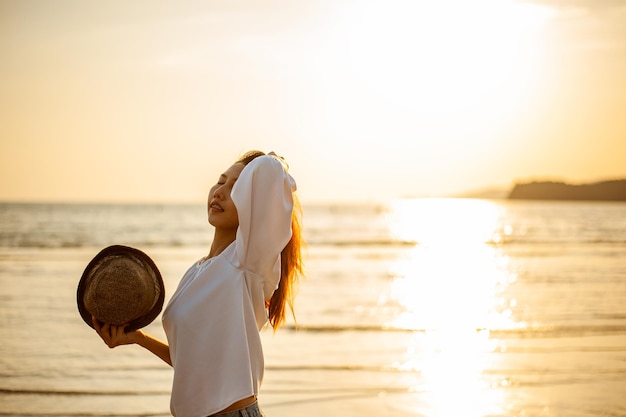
614,190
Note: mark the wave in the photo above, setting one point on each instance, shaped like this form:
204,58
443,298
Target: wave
68,242
536,241
71,242
363,243
174,225
79,393
526,377
545,331
66,414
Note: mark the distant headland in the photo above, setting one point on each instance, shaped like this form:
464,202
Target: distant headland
614,190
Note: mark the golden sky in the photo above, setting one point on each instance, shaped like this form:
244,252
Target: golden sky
368,100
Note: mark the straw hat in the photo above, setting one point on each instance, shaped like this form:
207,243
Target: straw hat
121,285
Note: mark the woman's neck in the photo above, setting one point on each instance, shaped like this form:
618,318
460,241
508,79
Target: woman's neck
221,240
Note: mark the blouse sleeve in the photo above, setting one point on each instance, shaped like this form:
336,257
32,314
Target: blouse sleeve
264,201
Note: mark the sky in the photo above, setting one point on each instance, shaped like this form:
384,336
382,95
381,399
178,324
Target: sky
149,101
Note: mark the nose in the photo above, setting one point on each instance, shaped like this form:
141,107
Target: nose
217,193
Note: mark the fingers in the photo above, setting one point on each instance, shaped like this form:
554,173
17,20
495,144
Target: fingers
116,332
96,323
107,336
99,327
281,159
110,334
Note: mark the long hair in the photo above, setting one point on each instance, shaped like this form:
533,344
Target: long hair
291,267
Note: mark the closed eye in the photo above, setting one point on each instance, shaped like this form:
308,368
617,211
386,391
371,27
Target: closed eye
224,180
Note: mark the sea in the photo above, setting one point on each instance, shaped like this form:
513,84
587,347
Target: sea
411,307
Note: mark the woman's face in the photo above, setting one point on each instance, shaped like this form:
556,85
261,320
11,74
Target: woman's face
221,209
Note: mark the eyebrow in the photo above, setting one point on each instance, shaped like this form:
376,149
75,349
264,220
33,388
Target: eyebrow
226,177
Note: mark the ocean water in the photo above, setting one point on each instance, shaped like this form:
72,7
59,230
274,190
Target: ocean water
425,307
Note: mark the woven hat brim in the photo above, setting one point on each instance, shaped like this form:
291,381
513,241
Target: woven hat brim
116,250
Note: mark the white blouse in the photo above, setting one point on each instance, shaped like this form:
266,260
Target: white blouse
213,319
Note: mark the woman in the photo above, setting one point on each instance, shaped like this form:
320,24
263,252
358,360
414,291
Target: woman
212,321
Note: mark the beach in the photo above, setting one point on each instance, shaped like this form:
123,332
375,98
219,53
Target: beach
425,307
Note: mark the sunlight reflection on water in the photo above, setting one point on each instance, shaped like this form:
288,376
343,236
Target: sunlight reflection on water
450,222
452,287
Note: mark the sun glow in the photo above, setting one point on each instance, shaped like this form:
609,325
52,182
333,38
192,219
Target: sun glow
452,287
442,58
451,222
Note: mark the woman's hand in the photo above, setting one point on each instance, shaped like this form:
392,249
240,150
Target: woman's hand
114,335
281,159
